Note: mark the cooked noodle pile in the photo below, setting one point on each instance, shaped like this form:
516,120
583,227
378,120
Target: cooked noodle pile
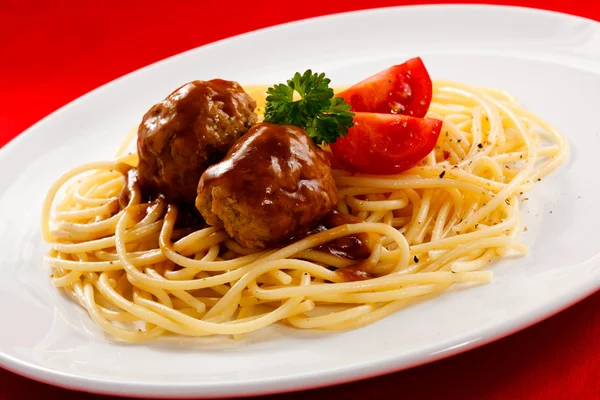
437,224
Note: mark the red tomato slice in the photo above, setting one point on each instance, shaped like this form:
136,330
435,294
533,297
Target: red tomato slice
402,89
386,143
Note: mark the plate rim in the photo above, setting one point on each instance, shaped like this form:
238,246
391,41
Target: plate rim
300,381
283,25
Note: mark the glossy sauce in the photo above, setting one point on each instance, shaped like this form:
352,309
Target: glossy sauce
276,178
131,183
354,273
189,217
186,217
266,165
139,212
188,131
353,247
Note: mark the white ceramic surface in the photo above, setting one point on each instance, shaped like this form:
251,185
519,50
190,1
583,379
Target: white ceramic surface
550,61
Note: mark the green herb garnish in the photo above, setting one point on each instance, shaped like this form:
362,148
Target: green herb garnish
324,117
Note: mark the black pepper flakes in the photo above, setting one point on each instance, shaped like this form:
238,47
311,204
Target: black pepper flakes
416,260
442,174
480,146
507,202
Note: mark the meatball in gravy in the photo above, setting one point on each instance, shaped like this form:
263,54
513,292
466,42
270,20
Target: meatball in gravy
184,134
272,185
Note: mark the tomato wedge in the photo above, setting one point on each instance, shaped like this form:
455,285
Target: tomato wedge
386,143
401,89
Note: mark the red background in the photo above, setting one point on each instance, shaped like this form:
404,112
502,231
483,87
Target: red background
53,52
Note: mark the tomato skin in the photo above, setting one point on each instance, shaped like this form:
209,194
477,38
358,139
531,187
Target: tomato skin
402,89
386,143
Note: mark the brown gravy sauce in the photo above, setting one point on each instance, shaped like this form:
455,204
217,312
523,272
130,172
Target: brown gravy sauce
353,247
187,215
354,273
131,181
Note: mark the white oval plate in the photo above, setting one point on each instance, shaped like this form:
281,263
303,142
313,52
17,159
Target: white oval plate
550,61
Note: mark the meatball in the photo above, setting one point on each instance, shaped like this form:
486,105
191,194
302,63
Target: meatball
191,129
272,185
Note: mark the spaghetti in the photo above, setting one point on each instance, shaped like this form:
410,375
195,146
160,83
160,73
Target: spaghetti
439,223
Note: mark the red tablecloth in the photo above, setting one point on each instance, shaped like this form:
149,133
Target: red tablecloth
53,52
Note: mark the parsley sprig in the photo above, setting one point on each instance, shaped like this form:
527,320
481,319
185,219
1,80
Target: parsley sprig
324,117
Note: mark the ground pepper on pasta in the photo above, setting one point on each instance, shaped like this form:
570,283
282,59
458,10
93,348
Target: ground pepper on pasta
444,221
